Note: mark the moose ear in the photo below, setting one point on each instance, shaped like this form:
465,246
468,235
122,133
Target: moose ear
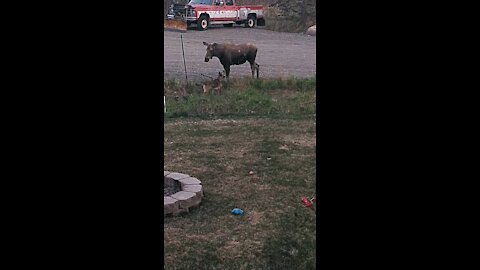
205,43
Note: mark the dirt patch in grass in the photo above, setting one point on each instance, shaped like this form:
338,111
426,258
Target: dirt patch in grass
305,140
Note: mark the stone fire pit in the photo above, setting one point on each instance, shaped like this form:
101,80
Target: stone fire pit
180,193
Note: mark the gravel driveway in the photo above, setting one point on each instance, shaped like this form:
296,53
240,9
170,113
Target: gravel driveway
279,54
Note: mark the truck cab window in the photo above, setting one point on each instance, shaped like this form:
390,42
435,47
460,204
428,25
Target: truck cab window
229,2
200,2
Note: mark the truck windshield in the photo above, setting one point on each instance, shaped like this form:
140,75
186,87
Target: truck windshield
200,2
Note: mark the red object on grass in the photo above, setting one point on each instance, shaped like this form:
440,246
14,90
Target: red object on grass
306,202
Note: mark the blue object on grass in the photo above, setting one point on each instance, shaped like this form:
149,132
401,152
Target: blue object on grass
237,211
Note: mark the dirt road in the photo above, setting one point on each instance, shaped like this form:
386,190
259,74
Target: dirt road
279,54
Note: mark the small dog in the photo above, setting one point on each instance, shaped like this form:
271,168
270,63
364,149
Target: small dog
214,84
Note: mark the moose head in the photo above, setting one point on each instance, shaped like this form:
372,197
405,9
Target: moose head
210,50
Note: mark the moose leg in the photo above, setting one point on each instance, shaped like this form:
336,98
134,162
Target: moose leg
252,66
257,66
227,71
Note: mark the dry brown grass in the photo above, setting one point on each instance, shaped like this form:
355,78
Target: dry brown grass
221,153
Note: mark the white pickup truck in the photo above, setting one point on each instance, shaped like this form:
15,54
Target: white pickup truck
204,13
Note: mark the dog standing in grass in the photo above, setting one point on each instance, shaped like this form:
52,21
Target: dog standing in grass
215,85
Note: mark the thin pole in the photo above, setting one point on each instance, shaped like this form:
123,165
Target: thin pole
183,52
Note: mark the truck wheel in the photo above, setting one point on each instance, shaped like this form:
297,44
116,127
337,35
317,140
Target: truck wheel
202,23
251,21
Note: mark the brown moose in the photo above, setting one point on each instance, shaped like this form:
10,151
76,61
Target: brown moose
231,54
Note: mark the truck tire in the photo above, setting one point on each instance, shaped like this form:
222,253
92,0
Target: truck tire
203,23
251,21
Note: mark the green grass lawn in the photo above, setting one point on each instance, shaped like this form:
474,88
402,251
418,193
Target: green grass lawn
220,140
243,97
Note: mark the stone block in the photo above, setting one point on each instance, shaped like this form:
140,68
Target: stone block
189,181
185,199
170,205
197,189
178,176
196,200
